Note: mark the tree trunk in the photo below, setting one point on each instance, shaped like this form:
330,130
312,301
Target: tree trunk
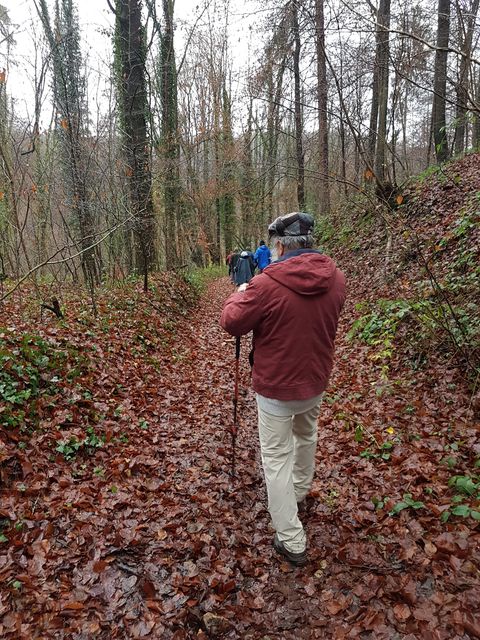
467,25
322,93
8,227
344,157
130,63
273,127
217,252
69,95
271,141
440,83
383,72
249,217
169,140
228,176
476,121
372,132
298,111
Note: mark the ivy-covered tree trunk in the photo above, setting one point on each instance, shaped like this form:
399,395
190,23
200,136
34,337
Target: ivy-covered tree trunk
217,249
249,217
133,107
69,96
382,87
169,146
228,177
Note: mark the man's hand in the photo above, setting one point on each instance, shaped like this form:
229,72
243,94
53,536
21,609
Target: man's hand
242,287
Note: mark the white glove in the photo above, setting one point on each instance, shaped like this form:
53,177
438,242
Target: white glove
242,287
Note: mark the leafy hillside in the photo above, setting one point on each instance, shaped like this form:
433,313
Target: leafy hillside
418,269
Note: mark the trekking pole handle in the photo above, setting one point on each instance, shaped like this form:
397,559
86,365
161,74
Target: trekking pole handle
237,348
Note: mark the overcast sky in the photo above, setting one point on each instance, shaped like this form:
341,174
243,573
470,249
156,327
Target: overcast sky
96,20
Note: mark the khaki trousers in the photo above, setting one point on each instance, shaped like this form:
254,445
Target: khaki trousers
288,445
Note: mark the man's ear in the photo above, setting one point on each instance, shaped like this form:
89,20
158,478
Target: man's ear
279,248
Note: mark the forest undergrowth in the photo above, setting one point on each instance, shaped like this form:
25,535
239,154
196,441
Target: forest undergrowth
119,517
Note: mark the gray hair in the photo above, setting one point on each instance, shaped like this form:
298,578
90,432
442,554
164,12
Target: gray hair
293,242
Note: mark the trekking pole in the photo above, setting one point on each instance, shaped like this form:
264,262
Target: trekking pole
235,403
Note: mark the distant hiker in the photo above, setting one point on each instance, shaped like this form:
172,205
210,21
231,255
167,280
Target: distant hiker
262,256
245,268
231,261
293,309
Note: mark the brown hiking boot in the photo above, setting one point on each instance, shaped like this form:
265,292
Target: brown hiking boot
297,559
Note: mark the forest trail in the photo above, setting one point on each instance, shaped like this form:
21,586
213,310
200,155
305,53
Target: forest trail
145,141
162,543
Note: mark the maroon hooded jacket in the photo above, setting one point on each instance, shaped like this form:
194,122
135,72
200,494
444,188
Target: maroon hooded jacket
293,309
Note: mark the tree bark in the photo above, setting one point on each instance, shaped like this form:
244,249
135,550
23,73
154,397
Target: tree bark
130,62
372,132
466,30
69,95
476,121
298,110
169,139
322,96
383,73
440,83
273,127
228,177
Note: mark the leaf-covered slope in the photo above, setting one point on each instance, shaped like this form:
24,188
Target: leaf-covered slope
417,268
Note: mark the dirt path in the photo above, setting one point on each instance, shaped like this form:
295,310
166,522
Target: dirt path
162,544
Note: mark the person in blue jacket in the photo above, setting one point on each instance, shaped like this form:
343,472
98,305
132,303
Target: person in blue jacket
262,256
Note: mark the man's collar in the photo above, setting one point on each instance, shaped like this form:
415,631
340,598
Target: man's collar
296,252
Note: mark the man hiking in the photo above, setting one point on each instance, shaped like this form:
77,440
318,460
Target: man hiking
262,256
293,309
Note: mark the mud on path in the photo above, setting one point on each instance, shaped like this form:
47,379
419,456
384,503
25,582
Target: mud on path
164,544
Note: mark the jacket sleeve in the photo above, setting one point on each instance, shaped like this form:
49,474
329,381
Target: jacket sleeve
242,311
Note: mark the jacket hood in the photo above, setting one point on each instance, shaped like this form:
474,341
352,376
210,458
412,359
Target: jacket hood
262,247
308,273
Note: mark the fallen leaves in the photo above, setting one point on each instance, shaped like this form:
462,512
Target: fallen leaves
402,612
149,537
215,625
